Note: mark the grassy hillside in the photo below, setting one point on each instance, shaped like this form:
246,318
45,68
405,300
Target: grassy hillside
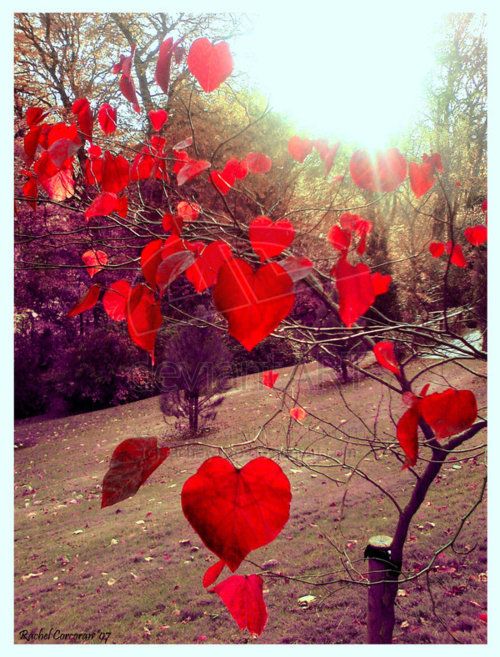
135,569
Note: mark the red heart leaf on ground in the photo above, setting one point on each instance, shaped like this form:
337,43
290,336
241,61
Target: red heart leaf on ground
132,462
242,595
298,413
235,511
115,300
253,302
270,238
210,63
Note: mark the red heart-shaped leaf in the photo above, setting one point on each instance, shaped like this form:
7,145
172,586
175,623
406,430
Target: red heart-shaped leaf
210,63
476,235
298,413
87,302
407,435
95,261
258,163
299,148
203,272
270,238
212,573
355,290
162,72
158,118
242,595
253,302
269,378
385,174
384,353
144,318
449,412
115,300
235,511
132,462
436,249
107,118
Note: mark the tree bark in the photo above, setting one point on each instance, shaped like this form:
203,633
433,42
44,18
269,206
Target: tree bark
383,576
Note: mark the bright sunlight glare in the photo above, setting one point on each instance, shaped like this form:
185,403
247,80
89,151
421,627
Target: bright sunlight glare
357,76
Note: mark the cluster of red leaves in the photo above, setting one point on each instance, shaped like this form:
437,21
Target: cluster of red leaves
357,287
385,173
446,413
236,511
299,149
127,84
457,258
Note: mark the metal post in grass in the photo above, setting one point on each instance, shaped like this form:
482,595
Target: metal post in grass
383,575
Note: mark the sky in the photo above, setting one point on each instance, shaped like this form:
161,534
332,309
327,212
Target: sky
357,75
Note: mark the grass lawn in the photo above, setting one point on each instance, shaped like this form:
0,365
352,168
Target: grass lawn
135,569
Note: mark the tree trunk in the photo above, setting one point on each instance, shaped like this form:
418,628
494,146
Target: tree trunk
383,576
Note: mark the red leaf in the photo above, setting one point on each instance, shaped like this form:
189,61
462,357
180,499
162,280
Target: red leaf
258,163
270,238
191,169
172,267
476,235
407,434
115,300
269,378
384,353
81,107
436,249
355,290
385,175
210,64
107,118
381,283
87,302
421,178
158,118
31,141
212,573
298,413
143,318
339,238
62,150
127,87
172,223
456,254
151,258
234,169
95,261
58,182
162,72
132,462
115,173
30,190
188,211
102,206
242,595
223,182
449,412
235,511
299,148
253,302
204,271
34,115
